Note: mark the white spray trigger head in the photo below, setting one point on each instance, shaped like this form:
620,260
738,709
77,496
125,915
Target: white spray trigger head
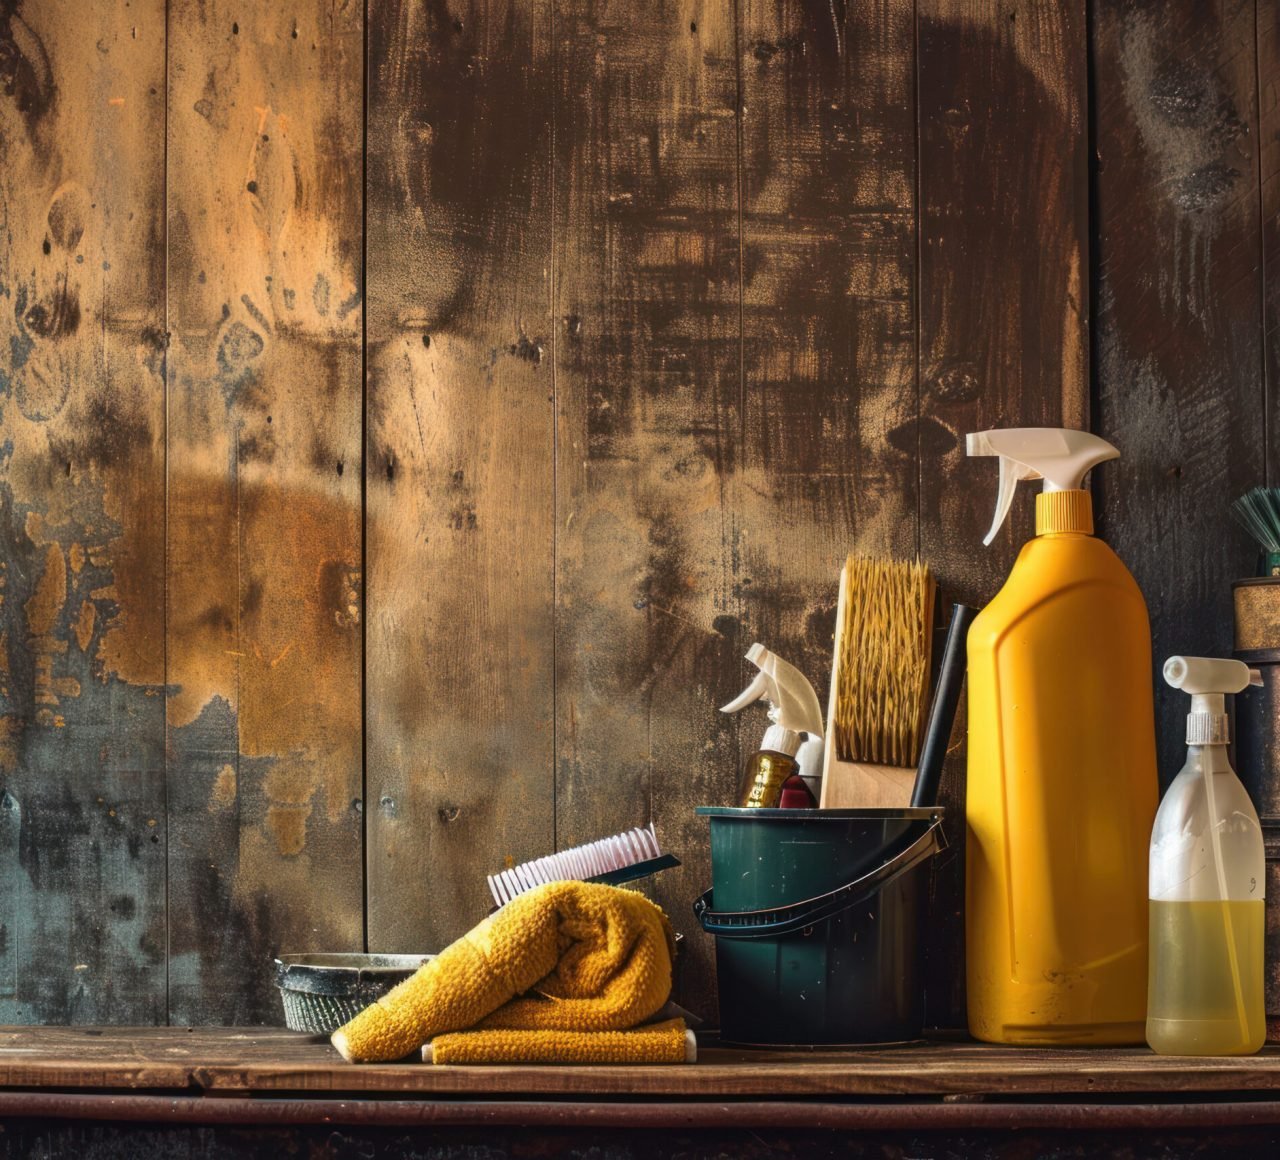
1208,680
1060,456
786,688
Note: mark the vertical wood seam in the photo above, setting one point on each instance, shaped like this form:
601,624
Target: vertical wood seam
738,115
740,448
552,290
164,589
1264,345
918,271
1093,221
364,476
1086,244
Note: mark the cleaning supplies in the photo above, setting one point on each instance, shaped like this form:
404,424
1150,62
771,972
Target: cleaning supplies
1062,770
792,745
612,861
568,956
1208,865
879,683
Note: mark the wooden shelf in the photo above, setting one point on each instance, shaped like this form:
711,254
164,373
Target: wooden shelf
267,1061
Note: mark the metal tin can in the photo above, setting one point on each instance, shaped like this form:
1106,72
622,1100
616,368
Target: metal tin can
1257,748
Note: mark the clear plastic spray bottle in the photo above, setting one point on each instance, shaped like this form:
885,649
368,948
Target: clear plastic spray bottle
1205,995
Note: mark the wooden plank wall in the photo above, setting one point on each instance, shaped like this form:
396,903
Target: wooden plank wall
1003,340
413,410
82,497
459,459
1179,333
263,638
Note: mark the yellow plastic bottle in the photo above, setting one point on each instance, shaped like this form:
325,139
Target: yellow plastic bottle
1062,785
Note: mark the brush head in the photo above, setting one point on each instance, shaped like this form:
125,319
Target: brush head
883,660
1258,512
612,861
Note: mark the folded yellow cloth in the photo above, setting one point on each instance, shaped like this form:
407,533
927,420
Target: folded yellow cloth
666,1042
597,958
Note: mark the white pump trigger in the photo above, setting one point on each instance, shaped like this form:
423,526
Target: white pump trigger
1060,456
1208,680
793,702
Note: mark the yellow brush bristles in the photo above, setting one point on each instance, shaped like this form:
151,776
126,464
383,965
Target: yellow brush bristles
886,638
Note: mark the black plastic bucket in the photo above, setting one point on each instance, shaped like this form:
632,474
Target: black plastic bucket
818,918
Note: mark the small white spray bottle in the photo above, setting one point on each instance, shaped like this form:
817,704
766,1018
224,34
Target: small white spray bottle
792,745
1206,885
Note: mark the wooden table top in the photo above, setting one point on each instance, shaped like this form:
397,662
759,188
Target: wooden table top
233,1060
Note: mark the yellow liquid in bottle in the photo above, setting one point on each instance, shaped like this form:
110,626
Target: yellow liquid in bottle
1193,1006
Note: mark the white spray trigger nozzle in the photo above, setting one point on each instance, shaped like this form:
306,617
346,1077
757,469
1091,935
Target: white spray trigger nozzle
1058,455
793,702
1208,680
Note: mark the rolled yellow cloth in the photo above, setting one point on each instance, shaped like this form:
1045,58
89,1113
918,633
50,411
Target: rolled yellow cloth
666,1042
597,958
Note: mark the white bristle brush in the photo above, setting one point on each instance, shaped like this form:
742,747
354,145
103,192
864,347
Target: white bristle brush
612,861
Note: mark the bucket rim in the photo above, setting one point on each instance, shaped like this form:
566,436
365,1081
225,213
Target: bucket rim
905,813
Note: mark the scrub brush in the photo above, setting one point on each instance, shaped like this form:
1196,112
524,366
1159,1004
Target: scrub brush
1258,512
879,683
611,861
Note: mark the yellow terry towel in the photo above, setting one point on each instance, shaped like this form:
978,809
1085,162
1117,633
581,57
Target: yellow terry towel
666,1042
594,959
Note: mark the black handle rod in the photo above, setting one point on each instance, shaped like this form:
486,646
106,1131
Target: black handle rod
942,713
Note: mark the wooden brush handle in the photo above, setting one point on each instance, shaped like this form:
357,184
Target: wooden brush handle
859,785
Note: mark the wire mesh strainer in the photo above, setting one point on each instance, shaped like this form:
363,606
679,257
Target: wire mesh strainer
321,992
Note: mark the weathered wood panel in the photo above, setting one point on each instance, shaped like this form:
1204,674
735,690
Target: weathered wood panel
647,364
1268,71
264,539
1003,309
828,179
1179,353
460,460
82,868
829,358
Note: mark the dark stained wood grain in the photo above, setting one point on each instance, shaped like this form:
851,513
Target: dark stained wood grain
227,1060
264,519
829,361
1268,98
829,464
1268,81
82,822
1179,356
1003,311
460,460
647,365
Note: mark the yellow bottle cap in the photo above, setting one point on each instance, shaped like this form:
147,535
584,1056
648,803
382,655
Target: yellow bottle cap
1064,511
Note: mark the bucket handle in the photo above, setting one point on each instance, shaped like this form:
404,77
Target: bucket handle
797,916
